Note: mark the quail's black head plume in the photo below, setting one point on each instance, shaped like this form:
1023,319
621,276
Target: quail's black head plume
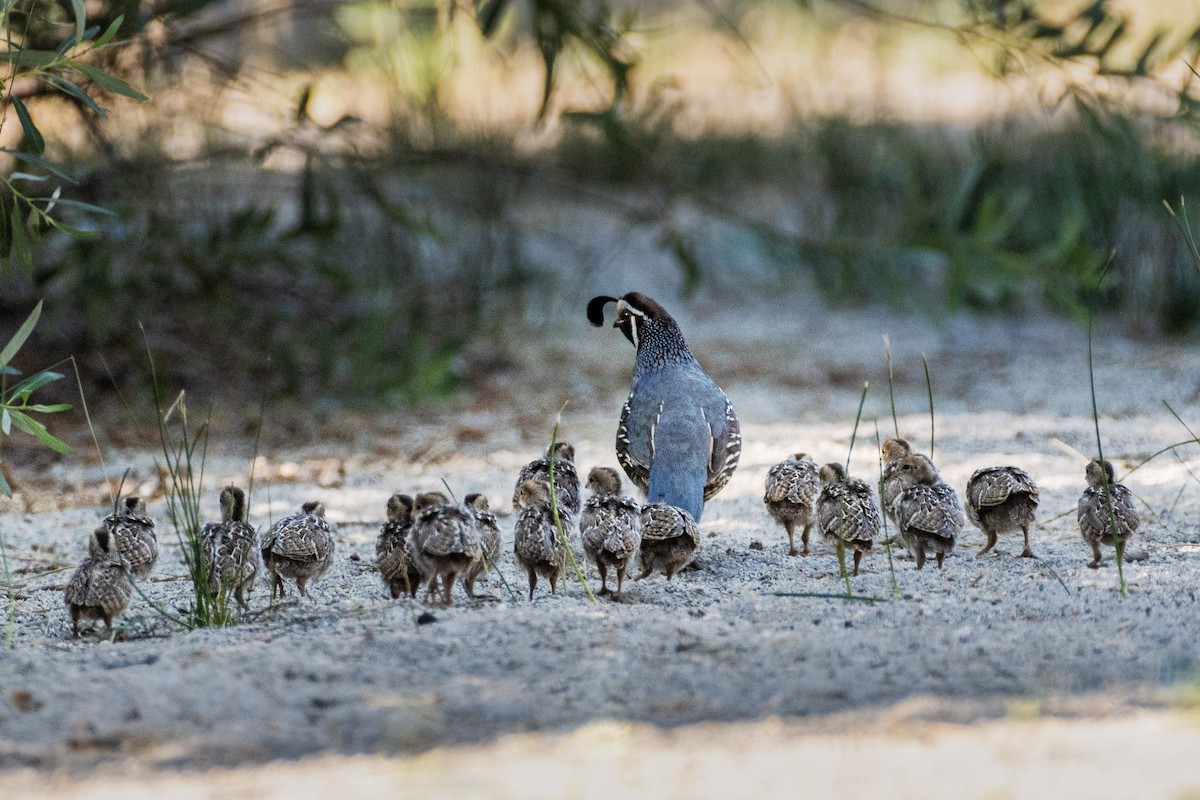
678,439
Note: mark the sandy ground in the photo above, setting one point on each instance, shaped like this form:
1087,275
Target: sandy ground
1014,677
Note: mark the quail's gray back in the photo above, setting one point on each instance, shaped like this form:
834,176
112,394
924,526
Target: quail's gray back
678,438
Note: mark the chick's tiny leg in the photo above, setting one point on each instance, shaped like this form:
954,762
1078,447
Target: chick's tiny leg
791,532
991,542
1027,552
804,539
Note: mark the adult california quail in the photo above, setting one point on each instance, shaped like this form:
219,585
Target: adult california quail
230,548
539,548
1001,499
100,587
610,526
927,510
488,531
791,496
300,547
444,542
678,439
398,575
670,539
566,477
890,453
133,535
846,511
1096,523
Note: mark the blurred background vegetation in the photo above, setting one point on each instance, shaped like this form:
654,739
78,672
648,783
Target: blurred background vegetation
332,198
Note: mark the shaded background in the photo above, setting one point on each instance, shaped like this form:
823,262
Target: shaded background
339,201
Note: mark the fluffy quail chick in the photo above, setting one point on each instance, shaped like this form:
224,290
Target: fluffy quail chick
1096,524
299,547
791,496
399,576
443,543
132,533
539,548
670,539
229,548
100,587
566,477
1001,499
846,512
488,531
890,453
610,526
926,509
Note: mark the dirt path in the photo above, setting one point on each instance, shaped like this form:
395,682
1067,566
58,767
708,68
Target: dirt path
718,651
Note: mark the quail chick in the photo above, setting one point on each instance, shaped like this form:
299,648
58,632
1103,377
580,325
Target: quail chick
132,532
670,539
678,439
890,453
611,525
926,509
539,548
444,543
399,576
846,511
791,497
1096,523
1001,499
230,548
100,587
488,531
566,477
299,547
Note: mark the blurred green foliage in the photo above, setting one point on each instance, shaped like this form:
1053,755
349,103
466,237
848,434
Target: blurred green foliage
363,274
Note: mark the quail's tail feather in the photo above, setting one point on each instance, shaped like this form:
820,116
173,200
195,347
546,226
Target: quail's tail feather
679,484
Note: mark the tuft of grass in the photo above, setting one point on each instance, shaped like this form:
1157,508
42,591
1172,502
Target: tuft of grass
181,471
929,392
575,566
887,353
1112,520
887,540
